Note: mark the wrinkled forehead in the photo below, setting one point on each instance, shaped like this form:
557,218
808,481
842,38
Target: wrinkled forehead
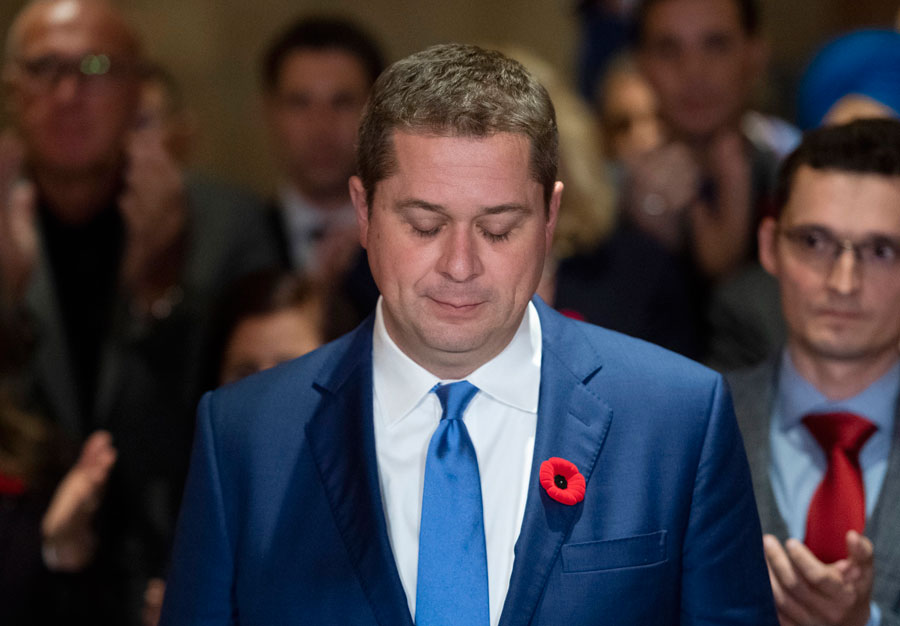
71,27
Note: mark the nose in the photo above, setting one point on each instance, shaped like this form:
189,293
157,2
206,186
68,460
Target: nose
694,67
460,260
66,87
844,276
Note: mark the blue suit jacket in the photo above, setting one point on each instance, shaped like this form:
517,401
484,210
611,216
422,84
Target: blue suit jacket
282,521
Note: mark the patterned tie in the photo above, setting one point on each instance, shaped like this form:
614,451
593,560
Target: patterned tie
452,585
839,503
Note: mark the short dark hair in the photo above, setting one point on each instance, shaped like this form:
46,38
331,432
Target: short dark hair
462,91
748,10
869,146
322,33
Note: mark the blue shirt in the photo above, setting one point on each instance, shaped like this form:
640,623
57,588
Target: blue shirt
798,463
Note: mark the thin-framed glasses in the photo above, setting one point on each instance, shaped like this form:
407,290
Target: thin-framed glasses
820,248
45,72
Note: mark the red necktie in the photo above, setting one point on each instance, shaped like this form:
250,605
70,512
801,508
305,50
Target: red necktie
839,503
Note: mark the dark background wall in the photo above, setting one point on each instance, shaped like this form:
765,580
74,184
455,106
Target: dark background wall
213,49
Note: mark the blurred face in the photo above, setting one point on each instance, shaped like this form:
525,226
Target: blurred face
313,115
264,341
630,117
456,239
156,110
73,86
700,62
842,306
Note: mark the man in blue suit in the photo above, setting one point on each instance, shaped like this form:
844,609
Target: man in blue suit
393,475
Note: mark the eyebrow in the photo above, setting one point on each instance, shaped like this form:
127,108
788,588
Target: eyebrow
415,203
867,236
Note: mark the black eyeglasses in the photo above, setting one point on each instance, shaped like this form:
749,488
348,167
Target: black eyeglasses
819,248
45,72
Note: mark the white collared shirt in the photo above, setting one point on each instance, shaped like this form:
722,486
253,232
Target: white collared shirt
501,420
306,223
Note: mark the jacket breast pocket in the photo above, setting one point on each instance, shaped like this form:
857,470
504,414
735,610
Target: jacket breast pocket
610,554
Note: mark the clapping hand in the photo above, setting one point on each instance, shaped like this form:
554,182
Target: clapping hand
155,212
67,527
809,592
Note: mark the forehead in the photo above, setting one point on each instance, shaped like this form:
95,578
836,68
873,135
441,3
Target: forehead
72,27
684,18
329,66
846,202
423,159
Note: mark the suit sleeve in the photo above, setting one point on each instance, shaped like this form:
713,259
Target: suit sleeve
724,578
200,581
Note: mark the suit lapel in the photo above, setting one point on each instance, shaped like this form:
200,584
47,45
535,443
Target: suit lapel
52,362
754,399
572,423
341,436
882,526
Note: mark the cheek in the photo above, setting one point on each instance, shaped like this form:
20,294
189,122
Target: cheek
35,114
799,290
348,126
890,306
666,83
290,124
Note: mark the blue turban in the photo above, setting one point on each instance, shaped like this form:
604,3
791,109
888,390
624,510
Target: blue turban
865,62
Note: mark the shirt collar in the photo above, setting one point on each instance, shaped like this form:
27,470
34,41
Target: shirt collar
798,397
512,377
302,215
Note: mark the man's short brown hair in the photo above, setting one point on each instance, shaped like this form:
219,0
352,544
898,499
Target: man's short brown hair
461,91
865,146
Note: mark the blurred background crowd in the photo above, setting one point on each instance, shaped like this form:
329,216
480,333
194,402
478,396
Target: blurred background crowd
174,215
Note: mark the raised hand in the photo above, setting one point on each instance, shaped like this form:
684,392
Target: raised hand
722,229
68,537
155,212
663,184
809,592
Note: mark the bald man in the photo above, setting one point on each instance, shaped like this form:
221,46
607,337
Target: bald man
117,262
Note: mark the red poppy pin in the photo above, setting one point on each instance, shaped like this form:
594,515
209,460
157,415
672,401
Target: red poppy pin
562,480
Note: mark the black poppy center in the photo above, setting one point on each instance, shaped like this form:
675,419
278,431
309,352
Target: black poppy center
560,481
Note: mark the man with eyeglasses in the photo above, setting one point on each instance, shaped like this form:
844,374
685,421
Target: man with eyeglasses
117,264
819,419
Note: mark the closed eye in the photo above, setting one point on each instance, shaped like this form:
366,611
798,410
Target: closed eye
495,237
426,233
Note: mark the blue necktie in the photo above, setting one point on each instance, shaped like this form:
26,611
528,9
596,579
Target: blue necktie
452,585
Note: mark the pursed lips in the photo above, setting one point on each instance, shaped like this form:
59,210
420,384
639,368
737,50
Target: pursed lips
456,304
849,314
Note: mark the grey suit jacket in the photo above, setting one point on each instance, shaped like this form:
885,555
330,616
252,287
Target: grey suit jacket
753,392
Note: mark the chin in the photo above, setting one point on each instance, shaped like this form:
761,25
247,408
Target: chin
842,349
454,340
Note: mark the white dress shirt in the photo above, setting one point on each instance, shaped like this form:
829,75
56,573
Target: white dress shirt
306,224
501,420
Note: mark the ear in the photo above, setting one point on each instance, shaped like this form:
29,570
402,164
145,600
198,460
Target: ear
766,239
553,213
361,206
